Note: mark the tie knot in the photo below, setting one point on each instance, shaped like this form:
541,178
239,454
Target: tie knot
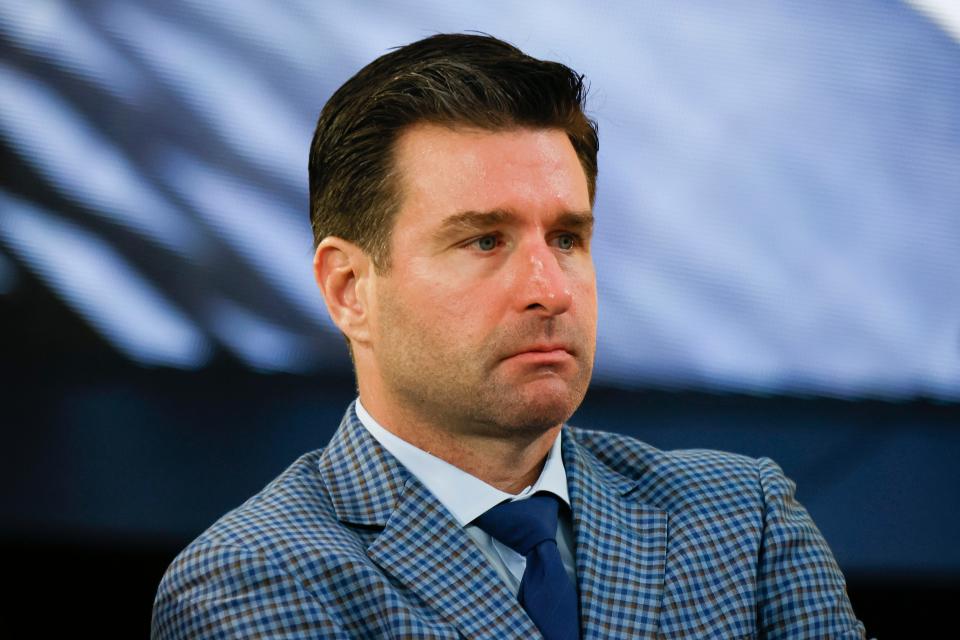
522,524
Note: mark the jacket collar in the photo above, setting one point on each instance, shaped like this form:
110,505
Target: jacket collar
362,480
620,543
421,545
620,548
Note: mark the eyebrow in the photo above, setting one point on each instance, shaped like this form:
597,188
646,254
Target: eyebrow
467,221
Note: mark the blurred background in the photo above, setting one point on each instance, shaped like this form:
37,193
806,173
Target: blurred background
778,255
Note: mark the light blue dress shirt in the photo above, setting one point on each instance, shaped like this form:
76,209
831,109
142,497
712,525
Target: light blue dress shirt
466,497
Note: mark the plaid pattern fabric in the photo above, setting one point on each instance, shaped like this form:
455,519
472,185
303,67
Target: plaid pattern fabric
347,544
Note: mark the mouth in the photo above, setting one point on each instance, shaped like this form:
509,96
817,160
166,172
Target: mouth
543,354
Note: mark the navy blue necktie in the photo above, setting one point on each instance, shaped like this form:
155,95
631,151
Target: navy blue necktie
529,527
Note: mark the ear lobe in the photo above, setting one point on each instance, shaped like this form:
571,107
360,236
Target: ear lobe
340,269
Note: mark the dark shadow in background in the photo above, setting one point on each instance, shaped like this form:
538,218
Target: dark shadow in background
111,469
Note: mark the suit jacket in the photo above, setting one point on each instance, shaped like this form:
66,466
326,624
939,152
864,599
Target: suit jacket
346,543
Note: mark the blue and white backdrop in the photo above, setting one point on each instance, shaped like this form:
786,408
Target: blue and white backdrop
778,215
779,199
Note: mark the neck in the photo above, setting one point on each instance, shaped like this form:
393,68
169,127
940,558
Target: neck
508,463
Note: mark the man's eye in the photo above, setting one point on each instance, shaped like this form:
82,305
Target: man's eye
486,243
566,242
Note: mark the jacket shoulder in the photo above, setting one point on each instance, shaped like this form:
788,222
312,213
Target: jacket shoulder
680,479
737,536
291,521
274,554
292,502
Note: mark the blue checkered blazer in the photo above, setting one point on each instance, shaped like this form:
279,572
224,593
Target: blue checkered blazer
347,544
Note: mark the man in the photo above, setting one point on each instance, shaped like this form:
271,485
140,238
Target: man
452,184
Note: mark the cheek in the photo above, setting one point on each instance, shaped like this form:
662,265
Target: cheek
443,299
584,293
434,285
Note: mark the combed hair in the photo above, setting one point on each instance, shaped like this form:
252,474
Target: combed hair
447,79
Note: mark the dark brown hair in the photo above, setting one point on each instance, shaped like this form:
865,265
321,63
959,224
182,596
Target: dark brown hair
448,79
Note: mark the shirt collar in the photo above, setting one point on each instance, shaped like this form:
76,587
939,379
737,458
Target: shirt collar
465,496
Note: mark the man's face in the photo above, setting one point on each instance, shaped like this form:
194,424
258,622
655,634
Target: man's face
486,318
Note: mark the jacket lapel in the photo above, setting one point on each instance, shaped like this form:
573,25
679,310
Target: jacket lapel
620,549
421,546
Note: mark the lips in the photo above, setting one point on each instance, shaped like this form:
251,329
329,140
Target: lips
544,348
542,352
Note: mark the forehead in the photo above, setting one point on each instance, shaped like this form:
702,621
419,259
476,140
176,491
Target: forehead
443,170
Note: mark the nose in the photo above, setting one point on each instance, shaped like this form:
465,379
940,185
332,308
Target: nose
542,283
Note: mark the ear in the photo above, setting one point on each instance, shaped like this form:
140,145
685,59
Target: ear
341,270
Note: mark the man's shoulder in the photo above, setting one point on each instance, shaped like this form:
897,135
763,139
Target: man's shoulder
282,549
288,502
632,457
740,547
681,478
292,516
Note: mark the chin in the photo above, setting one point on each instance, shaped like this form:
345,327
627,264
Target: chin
537,410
